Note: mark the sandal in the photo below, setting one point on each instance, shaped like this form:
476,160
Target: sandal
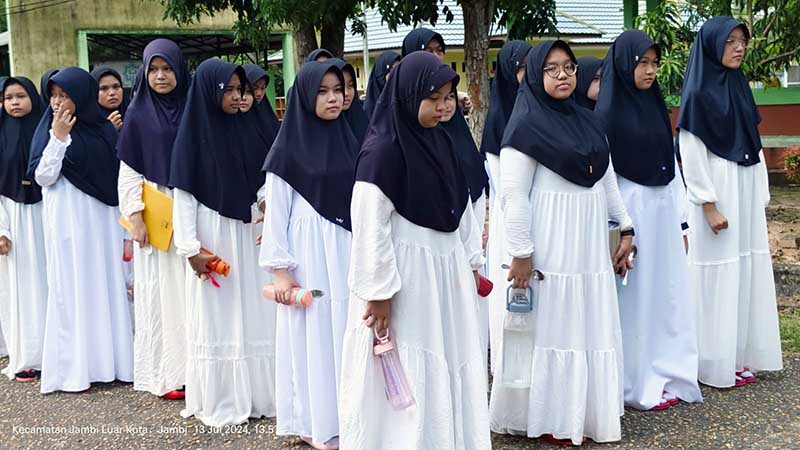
25,376
334,443
747,376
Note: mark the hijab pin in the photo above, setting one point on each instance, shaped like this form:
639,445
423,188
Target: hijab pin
221,85
636,58
590,168
433,88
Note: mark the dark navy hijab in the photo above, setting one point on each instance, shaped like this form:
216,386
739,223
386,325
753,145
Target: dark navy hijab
504,92
100,72
637,122
588,68
316,157
16,135
90,162
208,158
416,167
470,158
355,116
717,104
265,120
314,55
559,134
377,79
43,91
146,139
418,39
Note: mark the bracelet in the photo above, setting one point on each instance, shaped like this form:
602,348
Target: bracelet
628,232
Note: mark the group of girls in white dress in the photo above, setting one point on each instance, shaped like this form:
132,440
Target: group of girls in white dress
378,209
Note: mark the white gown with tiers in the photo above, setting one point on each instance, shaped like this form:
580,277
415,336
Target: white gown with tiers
427,276
730,273
577,370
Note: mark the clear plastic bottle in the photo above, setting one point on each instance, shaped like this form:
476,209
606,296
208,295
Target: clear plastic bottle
398,391
518,335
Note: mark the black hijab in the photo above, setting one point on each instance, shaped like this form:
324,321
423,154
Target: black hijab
418,39
208,158
559,134
16,135
504,92
316,157
90,162
43,91
266,122
100,72
317,53
588,66
377,79
146,139
416,167
355,116
717,104
637,122
470,158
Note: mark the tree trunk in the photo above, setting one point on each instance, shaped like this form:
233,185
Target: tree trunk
332,36
305,42
478,16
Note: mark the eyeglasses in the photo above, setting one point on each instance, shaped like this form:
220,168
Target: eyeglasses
735,43
554,70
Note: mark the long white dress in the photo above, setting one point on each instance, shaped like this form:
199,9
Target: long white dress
317,253
230,365
23,285
88,336
496,256
159,346
657,312
427,276
576,374
730,273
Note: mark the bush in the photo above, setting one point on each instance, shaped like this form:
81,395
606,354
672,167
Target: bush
792,164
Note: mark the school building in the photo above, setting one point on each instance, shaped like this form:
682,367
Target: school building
43,34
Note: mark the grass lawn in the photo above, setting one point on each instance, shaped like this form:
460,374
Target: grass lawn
790,330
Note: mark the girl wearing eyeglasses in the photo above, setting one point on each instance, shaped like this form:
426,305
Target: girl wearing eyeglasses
559,191
730,267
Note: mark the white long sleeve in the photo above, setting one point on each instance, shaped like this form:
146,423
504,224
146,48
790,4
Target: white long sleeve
5,223
274,253
616,207
49,168
471,232
184,212
518,170
129,186
373,273
764,175
696,169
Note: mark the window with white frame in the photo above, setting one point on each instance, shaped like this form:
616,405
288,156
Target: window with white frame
793,76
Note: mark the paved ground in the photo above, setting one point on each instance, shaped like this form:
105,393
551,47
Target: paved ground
765,415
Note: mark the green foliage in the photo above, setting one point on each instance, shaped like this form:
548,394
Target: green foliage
775,42
792,164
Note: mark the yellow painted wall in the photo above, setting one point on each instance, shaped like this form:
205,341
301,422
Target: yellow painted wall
48,37
456,55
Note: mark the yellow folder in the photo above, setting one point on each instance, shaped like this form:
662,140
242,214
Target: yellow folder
157,217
